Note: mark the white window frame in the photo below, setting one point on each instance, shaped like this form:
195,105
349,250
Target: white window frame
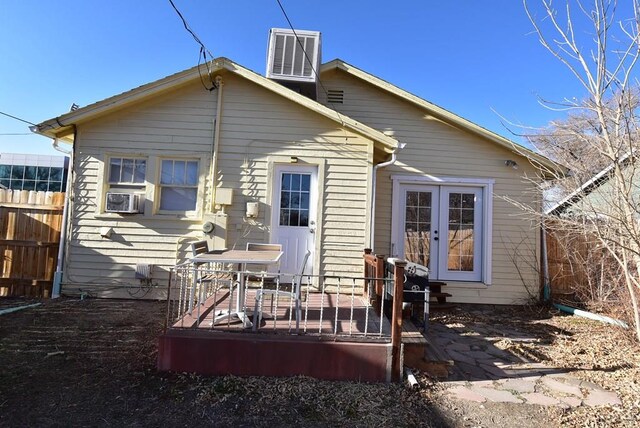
198,186
140,189
486,184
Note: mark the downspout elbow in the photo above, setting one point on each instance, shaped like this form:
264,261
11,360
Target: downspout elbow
56,146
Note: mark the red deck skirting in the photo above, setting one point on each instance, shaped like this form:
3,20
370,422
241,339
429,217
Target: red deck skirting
220,353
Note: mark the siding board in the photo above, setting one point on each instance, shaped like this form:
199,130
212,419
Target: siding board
438,149
256,127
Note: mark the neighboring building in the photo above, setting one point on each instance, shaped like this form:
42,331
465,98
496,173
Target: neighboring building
33,172
157,163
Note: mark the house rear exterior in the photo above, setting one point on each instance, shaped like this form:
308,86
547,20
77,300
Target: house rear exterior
253,161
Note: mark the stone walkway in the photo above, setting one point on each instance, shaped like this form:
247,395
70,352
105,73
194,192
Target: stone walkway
484,372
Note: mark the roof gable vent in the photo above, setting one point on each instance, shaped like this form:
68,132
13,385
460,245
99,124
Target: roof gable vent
335,96
294,62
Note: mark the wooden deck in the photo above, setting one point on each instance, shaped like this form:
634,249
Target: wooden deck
340,337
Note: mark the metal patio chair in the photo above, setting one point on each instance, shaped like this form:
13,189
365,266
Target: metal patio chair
294,295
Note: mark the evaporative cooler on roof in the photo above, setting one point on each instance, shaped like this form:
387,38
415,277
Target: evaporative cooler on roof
294,62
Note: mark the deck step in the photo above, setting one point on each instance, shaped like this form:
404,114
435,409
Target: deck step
439,295
421,352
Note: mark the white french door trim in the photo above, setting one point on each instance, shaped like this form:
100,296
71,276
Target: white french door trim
428,180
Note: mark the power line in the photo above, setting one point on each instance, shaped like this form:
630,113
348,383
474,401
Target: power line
16,118
203,49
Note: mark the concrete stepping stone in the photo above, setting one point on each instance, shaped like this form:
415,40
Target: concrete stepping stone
540,399
555,385
571,401
496,395
602,398
519,385
464,393
483,383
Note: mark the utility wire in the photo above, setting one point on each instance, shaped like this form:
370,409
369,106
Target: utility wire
284,12
204,51
16,118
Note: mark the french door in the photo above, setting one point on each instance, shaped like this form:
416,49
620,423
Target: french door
441,227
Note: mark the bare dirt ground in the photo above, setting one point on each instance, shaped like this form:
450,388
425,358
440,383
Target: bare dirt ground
92,363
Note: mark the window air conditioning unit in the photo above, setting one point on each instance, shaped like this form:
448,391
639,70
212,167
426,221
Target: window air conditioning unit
122,202
294,62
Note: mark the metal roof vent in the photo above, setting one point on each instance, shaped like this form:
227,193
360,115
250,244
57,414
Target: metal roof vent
294,62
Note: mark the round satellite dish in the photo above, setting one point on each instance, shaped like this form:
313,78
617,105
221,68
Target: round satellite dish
208,227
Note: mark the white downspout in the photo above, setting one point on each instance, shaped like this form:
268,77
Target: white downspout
216,143
57,276
372,224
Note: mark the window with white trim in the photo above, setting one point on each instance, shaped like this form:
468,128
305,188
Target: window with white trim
178,185
125,175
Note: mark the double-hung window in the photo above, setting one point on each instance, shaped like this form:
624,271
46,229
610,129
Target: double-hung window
178,185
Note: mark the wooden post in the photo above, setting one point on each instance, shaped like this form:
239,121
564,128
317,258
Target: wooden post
396,319
365,292
379,274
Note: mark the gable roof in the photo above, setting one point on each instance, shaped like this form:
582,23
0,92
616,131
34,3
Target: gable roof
63,125
446,116
598,180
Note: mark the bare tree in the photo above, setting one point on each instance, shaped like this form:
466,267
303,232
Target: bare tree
602,127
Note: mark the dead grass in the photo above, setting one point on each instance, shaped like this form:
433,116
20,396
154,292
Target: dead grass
92,363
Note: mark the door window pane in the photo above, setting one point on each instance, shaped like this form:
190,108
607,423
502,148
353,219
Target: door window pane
417,238
461,237
295,199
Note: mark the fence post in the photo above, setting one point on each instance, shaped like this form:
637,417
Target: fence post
396,319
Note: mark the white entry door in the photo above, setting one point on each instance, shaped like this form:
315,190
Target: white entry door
441,227
293,217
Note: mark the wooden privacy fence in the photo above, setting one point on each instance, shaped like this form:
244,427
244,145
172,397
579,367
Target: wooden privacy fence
577,265
30,225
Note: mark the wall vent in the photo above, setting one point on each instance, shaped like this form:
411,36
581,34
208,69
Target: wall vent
335,96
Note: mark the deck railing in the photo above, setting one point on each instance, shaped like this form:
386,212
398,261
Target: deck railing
332,306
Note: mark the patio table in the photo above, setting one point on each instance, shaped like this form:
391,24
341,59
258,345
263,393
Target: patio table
241,258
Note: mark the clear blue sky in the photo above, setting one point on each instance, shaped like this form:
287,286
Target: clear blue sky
468,56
